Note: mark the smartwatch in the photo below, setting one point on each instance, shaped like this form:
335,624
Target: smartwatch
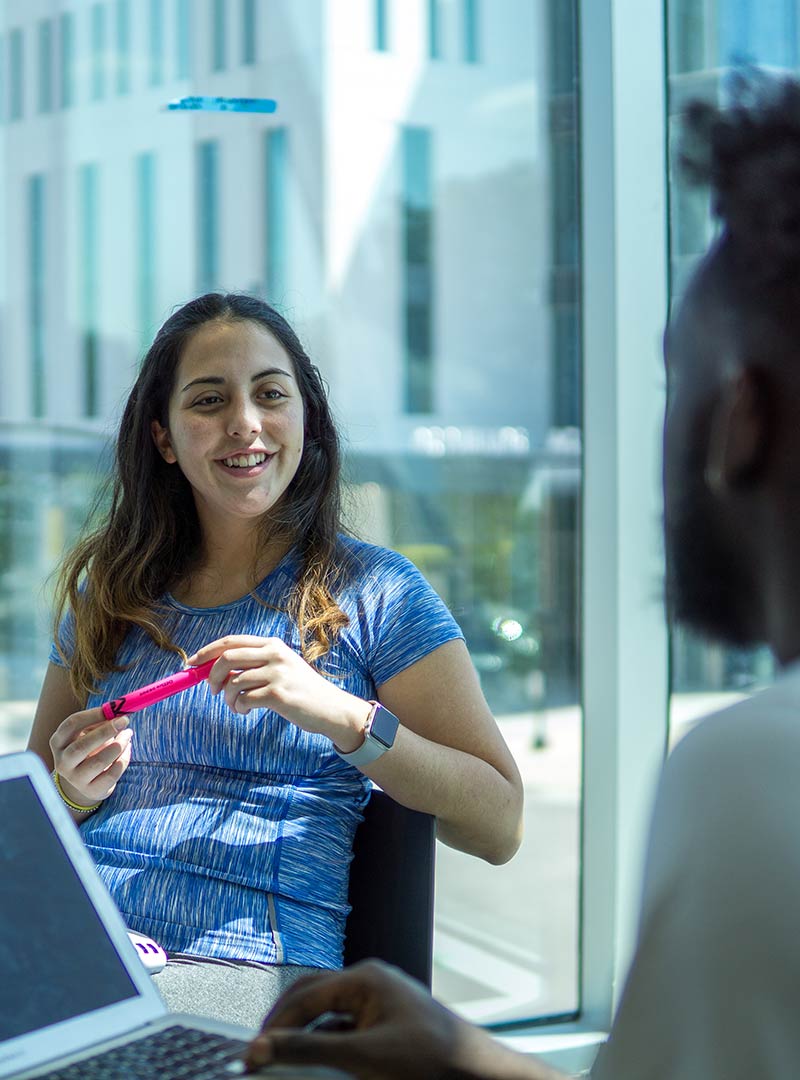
379,736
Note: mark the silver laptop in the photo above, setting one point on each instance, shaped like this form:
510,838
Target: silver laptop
75,999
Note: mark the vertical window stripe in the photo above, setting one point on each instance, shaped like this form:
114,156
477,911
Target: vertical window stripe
66,37
123,41
275,218
183,40
207,203
16,89
417,275
88,214
45,36
36,291
98,22
146,242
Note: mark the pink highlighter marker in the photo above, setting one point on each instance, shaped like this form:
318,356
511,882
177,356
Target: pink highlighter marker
157,691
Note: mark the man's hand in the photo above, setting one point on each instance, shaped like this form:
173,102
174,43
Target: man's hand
398,1032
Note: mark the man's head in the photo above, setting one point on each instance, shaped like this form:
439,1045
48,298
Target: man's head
732,431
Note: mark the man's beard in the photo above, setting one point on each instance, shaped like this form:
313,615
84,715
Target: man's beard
709,588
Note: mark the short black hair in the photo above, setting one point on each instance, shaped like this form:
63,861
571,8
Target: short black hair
748,153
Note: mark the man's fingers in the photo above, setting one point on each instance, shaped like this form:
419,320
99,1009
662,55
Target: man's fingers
311,995
281,1047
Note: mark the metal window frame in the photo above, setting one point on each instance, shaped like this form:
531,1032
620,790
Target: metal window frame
624,634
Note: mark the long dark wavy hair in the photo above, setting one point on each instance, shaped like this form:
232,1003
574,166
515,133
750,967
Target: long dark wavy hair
149,536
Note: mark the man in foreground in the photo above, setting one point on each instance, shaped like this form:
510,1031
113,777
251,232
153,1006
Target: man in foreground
714,987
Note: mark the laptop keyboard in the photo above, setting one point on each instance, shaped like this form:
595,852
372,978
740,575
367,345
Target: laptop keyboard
174,1053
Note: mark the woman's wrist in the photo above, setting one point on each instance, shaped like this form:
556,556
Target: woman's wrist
70,797
350,734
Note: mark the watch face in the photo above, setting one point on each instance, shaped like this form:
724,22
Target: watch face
384,726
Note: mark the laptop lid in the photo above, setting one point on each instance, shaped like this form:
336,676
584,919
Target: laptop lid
69,976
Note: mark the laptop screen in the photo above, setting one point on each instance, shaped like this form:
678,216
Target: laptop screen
56,959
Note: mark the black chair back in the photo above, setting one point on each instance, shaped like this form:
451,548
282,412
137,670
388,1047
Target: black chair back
391,888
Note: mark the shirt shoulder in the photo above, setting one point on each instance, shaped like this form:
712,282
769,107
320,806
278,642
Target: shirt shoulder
396,616
719,909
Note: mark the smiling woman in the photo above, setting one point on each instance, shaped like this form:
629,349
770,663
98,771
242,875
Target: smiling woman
236,427
222,820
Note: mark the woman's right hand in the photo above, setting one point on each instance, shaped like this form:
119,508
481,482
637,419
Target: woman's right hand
90,754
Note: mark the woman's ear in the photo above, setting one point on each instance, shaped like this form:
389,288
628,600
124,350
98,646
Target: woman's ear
739,433
162,441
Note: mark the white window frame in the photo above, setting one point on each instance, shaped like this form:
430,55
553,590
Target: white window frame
625,672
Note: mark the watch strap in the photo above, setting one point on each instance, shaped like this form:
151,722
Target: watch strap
379,735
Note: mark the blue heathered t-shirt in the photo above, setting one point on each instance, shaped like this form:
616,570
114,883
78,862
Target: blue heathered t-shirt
231,836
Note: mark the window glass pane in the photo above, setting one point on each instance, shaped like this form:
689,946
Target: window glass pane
704,41
218,39
156,73
381,30
123,32
66,26
146,244
249,31
183,42
16,74
88,215
276,215
471,31
434,30
37,314
45,65
98,31
423,237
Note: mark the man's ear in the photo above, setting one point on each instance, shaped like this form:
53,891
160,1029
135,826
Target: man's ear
162,441
739,432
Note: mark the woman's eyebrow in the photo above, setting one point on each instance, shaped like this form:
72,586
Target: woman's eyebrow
217,380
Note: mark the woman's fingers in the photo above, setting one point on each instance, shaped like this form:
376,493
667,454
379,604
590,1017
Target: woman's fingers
220,645
90,723
90,753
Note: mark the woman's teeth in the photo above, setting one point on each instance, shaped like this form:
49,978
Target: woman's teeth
244,461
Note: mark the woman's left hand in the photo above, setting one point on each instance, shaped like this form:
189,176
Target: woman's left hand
265,673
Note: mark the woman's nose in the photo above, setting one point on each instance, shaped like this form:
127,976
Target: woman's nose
244,418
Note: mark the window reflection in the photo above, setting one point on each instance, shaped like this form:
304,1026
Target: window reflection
705,43
413,207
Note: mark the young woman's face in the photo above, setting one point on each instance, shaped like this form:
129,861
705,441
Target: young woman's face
235,426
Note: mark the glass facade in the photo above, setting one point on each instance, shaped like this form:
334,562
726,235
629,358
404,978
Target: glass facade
381,32
183,41
66,37
99,31
418,270
88,214
249,31
416,216
16,74
471,31
207,216
156,59
123,42
276,213
45,66
37,258
146,233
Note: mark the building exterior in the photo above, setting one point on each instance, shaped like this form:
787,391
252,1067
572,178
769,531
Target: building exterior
422,237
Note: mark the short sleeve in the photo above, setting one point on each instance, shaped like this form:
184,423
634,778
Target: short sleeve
65,638
401,618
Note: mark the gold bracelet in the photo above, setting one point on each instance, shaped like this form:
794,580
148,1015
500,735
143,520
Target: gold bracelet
69,802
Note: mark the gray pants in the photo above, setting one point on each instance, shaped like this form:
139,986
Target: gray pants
238,993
